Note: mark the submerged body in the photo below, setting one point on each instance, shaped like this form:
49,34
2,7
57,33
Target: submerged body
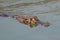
32,21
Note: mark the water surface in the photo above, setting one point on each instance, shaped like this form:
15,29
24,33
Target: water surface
47,10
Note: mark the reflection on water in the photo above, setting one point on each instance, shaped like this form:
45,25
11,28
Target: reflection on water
30,8
23,4
29,3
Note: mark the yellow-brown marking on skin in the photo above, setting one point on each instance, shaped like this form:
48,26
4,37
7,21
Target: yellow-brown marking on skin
32,22
20,20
